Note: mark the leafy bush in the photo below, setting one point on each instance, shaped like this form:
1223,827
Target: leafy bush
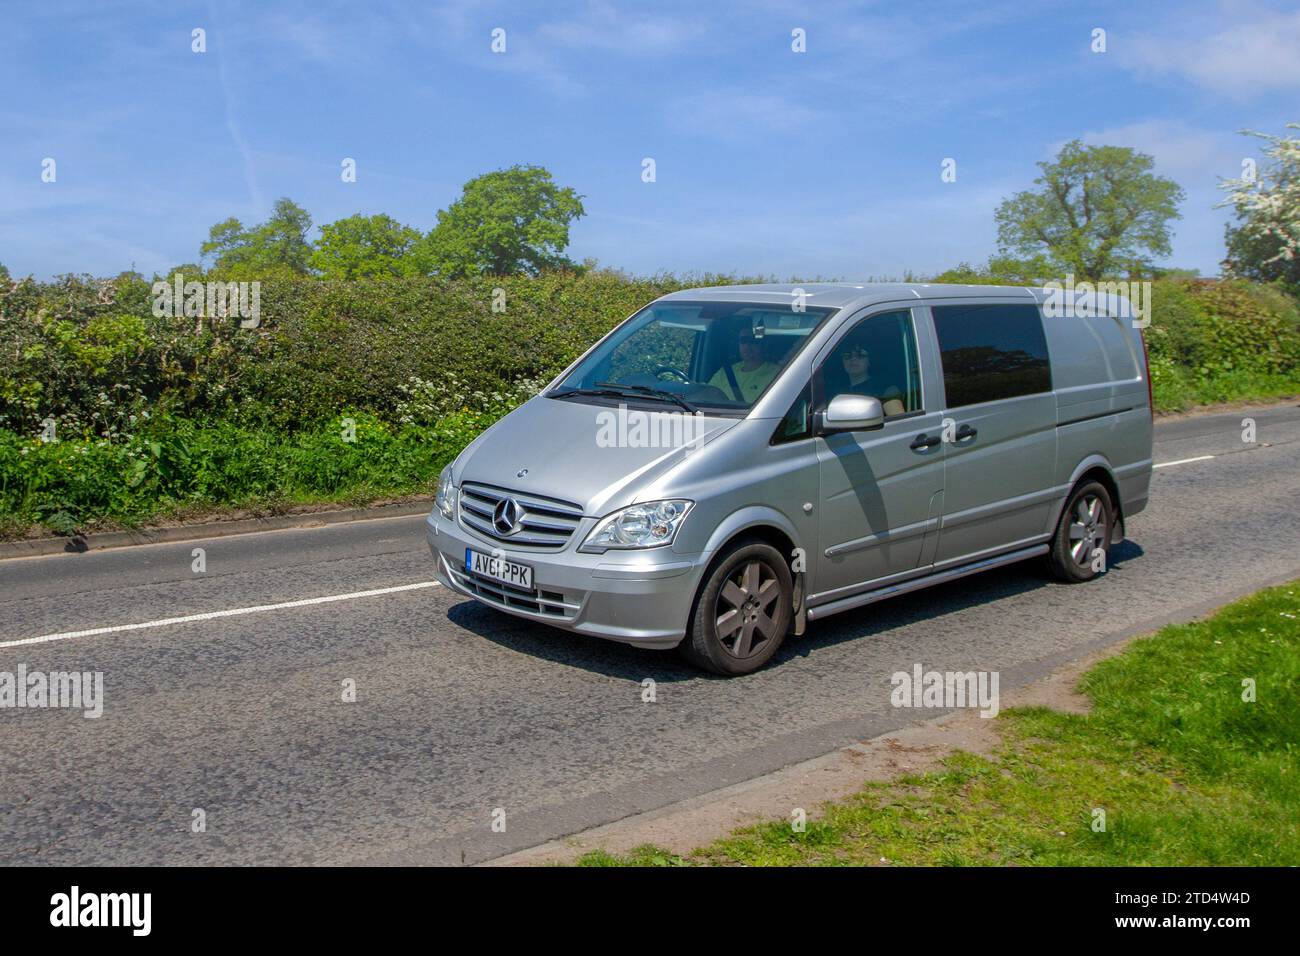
157,415
177,465
90,353
428,402
1211,328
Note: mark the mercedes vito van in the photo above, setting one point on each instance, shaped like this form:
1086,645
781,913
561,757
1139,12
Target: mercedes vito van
731,463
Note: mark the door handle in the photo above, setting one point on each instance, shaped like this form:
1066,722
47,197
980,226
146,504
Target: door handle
922,441
966,432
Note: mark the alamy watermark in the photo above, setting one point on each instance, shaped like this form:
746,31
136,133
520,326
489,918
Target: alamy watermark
1069,299
128,910
215,300
74,690
946,689
636,429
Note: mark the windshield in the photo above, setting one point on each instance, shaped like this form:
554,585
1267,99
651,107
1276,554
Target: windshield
712,356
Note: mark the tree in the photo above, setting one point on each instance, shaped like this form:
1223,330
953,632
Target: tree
187,271
1000,271
361,247
1265,242
278,246
1100,210
506,222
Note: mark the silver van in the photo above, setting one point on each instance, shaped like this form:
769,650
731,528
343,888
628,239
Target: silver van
733,462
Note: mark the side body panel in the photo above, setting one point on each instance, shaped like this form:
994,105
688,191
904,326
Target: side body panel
1102,407
999,482
879,497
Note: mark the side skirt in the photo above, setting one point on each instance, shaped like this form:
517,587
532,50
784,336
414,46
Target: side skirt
915,584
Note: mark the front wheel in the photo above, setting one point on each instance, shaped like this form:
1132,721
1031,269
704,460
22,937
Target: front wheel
742,612
1081,544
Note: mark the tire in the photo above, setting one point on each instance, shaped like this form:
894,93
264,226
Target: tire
1085,525
742,611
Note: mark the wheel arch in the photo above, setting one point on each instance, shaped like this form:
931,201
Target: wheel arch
1094,468
757,523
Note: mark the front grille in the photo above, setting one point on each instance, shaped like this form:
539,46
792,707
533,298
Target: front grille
538,601
544,523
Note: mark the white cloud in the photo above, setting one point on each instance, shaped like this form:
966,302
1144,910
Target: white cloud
1244,57
310,37
735,114
604,27
1191,156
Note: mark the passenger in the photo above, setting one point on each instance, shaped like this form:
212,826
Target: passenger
858,381
750,375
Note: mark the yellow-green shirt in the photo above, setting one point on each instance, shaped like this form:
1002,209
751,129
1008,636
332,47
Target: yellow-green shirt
751,383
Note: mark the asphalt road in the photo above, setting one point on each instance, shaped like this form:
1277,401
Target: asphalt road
460,710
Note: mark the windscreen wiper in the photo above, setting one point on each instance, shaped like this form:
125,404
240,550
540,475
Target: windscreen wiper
614,390
661,393
611,392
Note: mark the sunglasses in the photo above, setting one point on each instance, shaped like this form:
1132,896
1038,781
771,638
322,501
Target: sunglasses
853,354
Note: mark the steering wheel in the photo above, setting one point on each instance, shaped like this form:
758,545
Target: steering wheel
661,369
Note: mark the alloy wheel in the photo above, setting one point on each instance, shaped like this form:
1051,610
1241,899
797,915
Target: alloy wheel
744,614
1087,529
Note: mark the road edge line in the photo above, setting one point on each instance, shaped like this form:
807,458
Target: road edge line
77,544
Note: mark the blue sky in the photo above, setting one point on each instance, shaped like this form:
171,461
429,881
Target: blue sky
825,163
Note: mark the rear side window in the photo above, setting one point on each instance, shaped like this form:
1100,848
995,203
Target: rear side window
991,352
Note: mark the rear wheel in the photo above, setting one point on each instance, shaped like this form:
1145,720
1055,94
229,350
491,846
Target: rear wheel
1084,529
742,612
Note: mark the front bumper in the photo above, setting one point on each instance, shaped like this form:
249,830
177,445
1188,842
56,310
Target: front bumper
636,597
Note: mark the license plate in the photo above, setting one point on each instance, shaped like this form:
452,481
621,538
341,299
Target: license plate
499,569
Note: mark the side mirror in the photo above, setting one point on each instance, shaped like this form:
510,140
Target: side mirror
852,413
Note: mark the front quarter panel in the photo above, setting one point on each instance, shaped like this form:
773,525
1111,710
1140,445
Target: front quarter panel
740,482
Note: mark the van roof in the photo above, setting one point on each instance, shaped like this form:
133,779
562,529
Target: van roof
840,294
1104,298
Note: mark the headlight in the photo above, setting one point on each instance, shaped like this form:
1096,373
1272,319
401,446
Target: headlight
445,500
648,525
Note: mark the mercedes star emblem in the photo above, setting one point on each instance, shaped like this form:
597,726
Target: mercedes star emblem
505,517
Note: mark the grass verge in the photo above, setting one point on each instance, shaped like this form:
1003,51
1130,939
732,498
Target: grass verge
1178,390
1187,771
180,471
189,472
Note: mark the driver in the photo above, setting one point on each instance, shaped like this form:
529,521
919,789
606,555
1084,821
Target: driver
750,375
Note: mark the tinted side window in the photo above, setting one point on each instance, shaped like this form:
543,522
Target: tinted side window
876,357
991,352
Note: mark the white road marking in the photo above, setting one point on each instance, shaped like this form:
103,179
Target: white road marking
1183,461
212,615
306,602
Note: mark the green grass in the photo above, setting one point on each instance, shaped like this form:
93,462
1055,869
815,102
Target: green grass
1177,389
1187,772
179,469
